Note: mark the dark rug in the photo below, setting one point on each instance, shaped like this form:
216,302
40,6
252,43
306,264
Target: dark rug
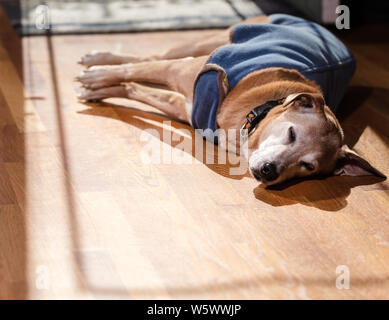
31,17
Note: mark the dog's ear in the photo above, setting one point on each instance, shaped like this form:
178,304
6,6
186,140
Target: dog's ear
351,164
307,102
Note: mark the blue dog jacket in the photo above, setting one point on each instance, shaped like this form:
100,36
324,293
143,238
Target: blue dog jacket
287,42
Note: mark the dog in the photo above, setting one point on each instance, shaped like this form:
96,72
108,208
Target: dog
274,80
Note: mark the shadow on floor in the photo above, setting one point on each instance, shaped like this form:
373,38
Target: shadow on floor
141,119
13,232
329,194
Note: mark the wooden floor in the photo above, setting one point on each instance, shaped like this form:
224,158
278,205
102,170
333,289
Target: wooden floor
81,216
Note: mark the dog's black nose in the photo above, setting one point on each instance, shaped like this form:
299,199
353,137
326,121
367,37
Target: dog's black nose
256,174
269,172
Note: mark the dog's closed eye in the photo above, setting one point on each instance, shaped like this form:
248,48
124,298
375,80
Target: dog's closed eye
308,166
292,135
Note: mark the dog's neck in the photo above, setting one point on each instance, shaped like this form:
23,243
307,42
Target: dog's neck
255,89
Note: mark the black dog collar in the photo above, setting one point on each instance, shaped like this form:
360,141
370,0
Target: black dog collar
255,116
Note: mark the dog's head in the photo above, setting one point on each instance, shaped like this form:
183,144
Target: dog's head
302,138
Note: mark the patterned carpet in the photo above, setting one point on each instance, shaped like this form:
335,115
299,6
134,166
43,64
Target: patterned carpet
29,17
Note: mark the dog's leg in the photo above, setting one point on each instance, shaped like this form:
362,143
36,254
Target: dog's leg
170,102
194,48
179,75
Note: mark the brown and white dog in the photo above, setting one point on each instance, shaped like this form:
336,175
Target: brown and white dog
298,138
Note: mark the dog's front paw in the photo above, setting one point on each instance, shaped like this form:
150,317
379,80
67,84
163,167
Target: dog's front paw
100,76
90,95
103,93
96,58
